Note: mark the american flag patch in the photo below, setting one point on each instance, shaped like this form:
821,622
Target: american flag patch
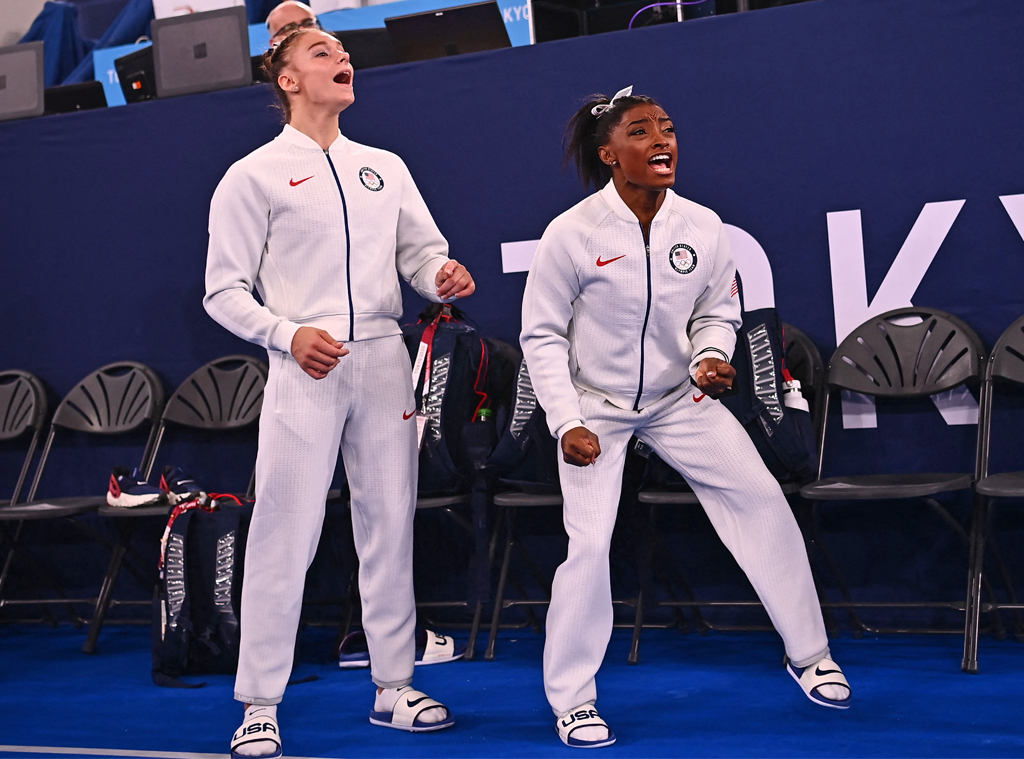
735,288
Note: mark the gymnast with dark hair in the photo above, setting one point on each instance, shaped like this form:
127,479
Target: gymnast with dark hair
629,324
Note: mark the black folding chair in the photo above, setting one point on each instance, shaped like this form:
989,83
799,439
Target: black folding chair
115,400
905,354
805,364
225,394
517,497
465,509
22,410
1005,366
508,505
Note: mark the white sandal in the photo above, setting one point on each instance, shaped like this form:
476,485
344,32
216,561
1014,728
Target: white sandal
431,648
258,728
410,705
437,648
582,716
824,672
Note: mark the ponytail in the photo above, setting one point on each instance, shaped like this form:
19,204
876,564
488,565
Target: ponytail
587,132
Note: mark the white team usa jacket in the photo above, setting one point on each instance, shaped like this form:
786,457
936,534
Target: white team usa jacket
322,236
608,311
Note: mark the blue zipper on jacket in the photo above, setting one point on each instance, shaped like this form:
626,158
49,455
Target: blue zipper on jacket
348,253
647,317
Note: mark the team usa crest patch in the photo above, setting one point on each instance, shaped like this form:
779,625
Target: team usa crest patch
371,179
683,258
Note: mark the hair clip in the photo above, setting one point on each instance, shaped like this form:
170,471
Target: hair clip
597,110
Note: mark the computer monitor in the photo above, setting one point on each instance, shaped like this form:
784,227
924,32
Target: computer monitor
136,74
368,48
201,52
82,96
256,64
448,31
21,81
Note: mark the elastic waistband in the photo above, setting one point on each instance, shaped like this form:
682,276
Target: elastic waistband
626,402
367,326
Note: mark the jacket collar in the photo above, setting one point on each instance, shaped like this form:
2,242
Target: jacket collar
293,136
618,205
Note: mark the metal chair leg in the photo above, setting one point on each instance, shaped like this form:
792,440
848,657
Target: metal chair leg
474,629
638,626
499,598
858,627
351,601
42,572
9,558
990,542
979,524
997,621
802,510
672,577
106,591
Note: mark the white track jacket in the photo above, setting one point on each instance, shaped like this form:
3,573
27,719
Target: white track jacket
627,318
322,236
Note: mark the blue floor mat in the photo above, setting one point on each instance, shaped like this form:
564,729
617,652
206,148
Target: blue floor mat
720,695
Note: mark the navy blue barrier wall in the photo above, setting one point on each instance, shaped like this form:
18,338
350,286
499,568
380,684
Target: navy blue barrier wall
784,117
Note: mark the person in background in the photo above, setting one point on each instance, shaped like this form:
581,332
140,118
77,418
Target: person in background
288,17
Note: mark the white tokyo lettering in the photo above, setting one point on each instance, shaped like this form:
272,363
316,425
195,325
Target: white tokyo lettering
850,300
1014,205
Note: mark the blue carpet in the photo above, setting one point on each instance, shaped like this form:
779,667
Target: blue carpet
723,695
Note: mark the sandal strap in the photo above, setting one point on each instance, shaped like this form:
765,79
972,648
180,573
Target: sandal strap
438,646
410,705
257,729
825,672
583,716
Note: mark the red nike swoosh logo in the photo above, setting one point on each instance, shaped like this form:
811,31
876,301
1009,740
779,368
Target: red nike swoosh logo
410,415
610,260
293,183
702,397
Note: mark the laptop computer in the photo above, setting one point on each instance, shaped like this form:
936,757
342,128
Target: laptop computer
82,96
448,31
201,52
368,48
21,81
136,74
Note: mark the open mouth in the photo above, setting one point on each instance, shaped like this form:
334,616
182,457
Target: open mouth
345,77
661,163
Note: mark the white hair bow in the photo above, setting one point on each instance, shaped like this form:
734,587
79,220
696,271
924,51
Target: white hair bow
597,110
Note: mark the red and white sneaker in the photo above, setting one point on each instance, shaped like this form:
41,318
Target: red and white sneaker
178,486
128,490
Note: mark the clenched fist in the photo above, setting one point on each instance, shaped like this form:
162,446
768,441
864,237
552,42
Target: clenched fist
715,375
580,447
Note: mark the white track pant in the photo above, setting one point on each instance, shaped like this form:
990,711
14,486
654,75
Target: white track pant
360,405
703,441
